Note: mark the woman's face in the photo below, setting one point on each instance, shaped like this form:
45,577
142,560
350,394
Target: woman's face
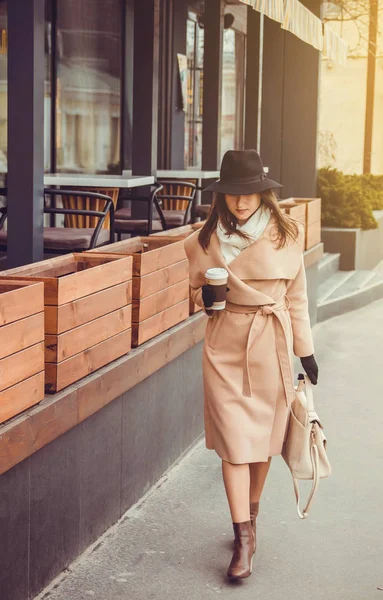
243,207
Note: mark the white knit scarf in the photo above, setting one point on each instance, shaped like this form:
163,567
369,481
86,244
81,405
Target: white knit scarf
231,245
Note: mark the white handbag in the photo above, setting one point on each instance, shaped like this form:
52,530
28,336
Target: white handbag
304,449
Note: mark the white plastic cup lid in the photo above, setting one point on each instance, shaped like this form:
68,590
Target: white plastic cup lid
216,273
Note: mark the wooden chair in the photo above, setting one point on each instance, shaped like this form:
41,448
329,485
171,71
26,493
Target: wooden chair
62,240
87,202
126,223
177,200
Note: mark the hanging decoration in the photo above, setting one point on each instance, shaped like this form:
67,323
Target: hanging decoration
274,9
300,21
334,47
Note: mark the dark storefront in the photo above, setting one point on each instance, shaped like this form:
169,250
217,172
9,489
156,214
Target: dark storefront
103,81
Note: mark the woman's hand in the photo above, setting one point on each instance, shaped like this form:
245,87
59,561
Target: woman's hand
310,366
208,296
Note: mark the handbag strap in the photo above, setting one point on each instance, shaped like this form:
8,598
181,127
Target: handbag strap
314,454
312,415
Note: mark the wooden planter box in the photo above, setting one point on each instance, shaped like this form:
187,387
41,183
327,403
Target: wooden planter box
21,346
182,232
313,220
160,284
87,314
295,211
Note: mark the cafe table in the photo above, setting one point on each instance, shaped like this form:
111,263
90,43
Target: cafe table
106,184
97,181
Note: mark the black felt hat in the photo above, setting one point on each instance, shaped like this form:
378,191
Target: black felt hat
242,173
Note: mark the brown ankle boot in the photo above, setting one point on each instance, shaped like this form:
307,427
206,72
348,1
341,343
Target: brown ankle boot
254,509
244,548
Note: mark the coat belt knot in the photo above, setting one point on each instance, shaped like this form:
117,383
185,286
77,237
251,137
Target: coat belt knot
268,310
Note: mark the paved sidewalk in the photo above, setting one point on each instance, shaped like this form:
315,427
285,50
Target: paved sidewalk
176,545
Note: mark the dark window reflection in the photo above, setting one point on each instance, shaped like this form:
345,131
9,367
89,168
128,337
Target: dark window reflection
3,88
193,120
233,86
88,85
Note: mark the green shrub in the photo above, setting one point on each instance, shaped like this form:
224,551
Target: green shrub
348,200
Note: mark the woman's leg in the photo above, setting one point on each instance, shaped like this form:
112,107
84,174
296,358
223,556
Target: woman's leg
237,485
258,474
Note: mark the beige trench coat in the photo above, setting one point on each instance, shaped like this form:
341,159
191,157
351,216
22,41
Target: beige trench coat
249,346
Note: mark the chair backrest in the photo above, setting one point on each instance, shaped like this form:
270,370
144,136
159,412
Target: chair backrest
104,210
177,195
88,203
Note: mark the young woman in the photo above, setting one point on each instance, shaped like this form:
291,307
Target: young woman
249,346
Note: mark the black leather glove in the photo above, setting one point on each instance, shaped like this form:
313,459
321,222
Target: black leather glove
310,366
208,296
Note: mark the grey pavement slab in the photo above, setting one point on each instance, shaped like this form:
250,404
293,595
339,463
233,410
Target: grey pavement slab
176,543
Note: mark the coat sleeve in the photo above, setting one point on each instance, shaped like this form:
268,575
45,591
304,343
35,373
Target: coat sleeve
299,313
196,296
195,274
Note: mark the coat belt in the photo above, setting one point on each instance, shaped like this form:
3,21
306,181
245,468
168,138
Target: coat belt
261,312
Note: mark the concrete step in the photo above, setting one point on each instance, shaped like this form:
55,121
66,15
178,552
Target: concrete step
327,266
359,289
331,285
357,281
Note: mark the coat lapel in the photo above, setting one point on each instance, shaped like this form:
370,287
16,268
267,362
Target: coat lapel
261,260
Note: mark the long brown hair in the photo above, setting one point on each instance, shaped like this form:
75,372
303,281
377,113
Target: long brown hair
286,226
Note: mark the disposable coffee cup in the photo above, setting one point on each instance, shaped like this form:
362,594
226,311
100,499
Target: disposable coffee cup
217,279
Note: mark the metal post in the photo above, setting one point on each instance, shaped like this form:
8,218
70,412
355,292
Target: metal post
254,52
272,97
300,114
145,87
212,83
25,182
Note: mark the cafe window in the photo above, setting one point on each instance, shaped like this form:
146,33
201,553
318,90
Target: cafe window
233,90
88,86
193,116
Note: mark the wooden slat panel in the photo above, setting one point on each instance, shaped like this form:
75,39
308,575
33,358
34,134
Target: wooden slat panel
151,305
21,396
159,280
83,283
313,208
19,300
298,212
313,234
59,319
99,277
59,376
159,323
61,347
158,258
128,246
21,365
81,202
183,231
21,334
149,253
91,273
193,307
43,264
